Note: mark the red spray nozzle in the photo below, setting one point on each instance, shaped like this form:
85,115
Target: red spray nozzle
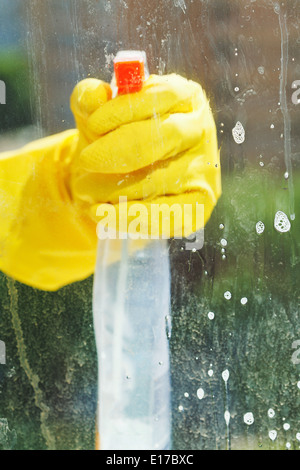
130,69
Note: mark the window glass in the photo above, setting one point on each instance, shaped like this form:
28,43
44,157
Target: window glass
235,343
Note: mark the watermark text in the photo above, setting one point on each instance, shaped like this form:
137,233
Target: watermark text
2,352
296,94
138,221
2,92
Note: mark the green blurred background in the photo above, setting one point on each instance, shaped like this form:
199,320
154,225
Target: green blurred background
15,73
246,55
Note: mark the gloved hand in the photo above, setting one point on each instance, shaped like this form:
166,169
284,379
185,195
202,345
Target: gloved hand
156,146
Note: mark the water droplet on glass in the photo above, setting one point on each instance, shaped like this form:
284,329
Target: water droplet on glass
286,175
271,413
223,242
238,133
249,418
261,70
281,222
260,227
221,226
236,89
211,315
210,372
244,300
227,295
200,393
168,326
298,436
11,372
272,435
288,445
180,408
272,126
261,164
286,426
225,375
227,417
186,394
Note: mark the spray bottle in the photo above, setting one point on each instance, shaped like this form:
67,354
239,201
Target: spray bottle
132,322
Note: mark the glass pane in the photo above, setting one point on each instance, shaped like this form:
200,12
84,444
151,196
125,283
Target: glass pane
234,348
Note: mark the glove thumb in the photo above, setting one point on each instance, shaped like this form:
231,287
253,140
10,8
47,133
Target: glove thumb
87,96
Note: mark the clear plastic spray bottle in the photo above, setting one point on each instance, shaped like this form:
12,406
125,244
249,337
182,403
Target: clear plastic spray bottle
132,324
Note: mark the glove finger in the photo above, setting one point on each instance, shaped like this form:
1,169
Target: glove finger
87,96
194,170
137,145
160,95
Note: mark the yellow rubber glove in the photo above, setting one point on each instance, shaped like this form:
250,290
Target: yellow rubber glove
158,145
